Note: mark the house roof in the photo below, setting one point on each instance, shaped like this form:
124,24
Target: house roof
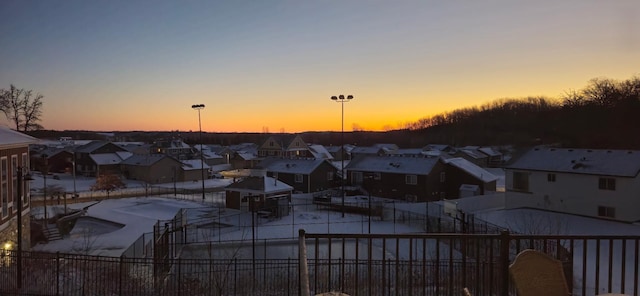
476,154
320,151
365,150
193,164
109,158
293,166
624,163
9,137
144,160
95,145
441,147
489,151
259,184
471,168
393,164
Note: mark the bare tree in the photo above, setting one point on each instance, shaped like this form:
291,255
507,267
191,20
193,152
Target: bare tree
22,107
108,182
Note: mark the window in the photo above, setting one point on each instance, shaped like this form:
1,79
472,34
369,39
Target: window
551,177
377,176
298,178
607,183
329,176
442,177
608,212
4,192
521,181
411,179
357,177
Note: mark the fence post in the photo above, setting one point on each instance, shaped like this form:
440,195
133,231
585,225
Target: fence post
302,265
121,274
57,273
504,260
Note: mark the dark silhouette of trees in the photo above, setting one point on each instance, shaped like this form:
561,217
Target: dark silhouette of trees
604,114
22,107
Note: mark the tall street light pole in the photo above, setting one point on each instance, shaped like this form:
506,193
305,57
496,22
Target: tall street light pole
200,107
342,99
20,179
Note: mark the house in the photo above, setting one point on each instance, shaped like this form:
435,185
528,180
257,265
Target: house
264,195
319,151
377,149
192,170
56,160
14,160
98,157
337,152
398,177
305,175
175,148
462,178
152,168
284,146
589,182
472,154
494,157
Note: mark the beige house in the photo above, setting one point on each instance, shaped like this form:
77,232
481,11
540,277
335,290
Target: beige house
152,168
589,182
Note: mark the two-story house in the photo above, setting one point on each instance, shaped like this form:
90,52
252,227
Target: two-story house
590,182
305,175
97,157
14,159
284,146
414,179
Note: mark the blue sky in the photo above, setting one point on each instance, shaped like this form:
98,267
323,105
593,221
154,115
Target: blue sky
273,65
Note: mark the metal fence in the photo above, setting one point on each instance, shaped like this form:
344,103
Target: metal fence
357,264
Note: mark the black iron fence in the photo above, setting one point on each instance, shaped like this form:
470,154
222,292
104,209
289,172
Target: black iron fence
357,264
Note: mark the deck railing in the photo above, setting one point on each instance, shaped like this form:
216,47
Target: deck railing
356,264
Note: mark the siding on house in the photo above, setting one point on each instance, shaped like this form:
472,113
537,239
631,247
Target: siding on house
590,182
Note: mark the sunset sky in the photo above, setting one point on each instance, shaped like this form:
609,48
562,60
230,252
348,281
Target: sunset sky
273,65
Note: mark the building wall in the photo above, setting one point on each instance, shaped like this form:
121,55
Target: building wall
576,194
8,206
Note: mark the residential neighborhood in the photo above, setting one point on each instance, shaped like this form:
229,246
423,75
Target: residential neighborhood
268,179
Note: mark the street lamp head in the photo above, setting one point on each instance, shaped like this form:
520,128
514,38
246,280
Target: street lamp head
197,106
341,97
349,97
334,98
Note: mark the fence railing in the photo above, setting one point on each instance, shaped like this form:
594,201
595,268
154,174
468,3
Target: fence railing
444,264
356,264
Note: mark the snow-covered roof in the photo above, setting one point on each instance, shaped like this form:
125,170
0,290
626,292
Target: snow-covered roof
489,151
293,166
624,163
471,168
91,146
260,185
440,147
144,160
320,151
247,155
474,153
393,164
9,137
193,164
108,158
